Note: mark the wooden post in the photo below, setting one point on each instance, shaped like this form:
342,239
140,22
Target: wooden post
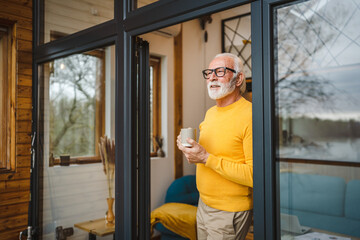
178,102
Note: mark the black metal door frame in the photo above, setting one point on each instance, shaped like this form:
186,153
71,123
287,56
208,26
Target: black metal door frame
122,31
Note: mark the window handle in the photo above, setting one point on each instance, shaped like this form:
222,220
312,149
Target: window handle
33,139
33,149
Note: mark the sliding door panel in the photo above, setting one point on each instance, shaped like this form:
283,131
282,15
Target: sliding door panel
77,125
317,118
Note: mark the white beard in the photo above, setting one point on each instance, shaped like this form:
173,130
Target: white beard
225,89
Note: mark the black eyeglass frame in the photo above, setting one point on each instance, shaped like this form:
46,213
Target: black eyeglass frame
215,71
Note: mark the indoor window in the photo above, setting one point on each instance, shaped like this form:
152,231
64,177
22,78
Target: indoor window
155,105
76,107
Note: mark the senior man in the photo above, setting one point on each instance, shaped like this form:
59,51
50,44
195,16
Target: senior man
223,156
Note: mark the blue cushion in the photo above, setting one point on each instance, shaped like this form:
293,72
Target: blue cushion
352,200
168,237
183,190
312,193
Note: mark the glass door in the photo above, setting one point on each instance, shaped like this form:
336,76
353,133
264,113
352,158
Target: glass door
316,56
77,151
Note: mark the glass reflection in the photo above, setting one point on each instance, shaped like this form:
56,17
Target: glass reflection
317,85
319,201
77,102
317,59
65,17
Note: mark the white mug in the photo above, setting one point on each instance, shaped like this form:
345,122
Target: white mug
187,133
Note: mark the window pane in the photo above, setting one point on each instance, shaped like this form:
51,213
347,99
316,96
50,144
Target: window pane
76,104
74,84
316,80
65,17
323,198
155,106
317,64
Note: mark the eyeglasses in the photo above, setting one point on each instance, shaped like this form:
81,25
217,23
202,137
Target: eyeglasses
219,72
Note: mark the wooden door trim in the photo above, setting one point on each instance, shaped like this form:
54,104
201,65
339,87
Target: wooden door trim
178,102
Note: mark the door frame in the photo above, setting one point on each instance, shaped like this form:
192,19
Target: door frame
122,31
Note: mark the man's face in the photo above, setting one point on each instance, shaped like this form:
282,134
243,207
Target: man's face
220,87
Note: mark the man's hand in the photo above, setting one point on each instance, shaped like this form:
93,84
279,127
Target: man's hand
194,154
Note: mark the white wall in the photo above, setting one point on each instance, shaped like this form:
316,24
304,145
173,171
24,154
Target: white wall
73,194
194,86
162,169
110,91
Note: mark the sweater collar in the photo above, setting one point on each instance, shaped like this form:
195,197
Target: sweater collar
239,102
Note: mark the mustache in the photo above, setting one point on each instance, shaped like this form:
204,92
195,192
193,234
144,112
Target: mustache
215,83
231,83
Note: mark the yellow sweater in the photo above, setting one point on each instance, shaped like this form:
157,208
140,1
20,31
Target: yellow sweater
225,182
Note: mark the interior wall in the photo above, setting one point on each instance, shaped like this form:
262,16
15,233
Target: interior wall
110,92
162,169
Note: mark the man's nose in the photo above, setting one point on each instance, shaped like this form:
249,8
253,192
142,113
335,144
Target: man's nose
213,76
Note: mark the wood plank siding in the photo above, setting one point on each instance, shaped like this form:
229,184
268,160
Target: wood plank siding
69,194
15,186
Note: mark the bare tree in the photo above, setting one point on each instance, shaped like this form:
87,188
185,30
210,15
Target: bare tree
72,104
302,41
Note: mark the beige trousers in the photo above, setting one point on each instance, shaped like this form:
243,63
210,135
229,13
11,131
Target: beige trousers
214,224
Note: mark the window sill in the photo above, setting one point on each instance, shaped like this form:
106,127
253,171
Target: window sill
155,155
74,160
157,158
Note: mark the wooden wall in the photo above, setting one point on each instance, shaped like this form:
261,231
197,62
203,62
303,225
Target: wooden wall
14,187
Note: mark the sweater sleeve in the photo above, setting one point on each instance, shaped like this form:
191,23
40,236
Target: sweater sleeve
238,172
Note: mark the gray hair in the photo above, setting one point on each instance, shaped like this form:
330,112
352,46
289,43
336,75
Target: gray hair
239,68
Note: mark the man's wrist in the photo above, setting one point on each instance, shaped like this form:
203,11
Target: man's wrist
206,157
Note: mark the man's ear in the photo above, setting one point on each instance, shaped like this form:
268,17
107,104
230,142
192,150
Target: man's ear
239,79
